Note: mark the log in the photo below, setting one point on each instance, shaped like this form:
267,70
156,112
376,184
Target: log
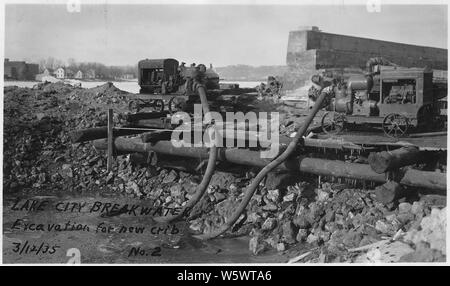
324,167
237,156
155,123
254,139
332,144
251,138
95,133
410,177
428,134
382,162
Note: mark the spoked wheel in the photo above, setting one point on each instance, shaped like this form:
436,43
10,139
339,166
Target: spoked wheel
333,122
395,125
175,104
158,104
134,106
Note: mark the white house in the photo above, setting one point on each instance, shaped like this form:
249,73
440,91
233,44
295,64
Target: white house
59,73
48,71
79,75
128,76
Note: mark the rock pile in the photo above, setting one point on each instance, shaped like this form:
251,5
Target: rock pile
37,152
339,220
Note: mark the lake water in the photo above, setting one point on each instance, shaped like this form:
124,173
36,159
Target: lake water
130,86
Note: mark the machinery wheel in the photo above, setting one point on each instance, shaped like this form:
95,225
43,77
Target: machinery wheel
172,105
395,125
134,106
333,122
175,104
158,104
426,118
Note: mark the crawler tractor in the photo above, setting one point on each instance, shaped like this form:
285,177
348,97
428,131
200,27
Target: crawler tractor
164,82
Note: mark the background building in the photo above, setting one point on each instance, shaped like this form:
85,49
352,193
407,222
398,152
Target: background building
79,75
20,70
59,73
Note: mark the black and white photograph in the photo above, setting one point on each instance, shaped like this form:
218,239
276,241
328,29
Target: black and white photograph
224,133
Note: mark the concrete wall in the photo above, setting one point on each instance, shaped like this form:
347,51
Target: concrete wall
297,45
300,72
315,50
341,47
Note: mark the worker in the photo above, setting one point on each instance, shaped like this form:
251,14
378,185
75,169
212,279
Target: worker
315,91
201,68
261,89
182,67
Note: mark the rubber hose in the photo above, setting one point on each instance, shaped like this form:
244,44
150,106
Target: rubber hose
208,173
273,164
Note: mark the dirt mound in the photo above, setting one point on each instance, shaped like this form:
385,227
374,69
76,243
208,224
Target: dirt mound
107,89
36,126
55,88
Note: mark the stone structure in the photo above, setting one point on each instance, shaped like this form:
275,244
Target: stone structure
310,49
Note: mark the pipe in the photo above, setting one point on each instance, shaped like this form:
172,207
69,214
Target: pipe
209,168
251,136
323,167
272,165
90,134
232,155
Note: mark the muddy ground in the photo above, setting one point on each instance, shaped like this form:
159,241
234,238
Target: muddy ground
52,189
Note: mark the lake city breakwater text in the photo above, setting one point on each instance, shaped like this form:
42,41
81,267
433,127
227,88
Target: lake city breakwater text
32,205
96,208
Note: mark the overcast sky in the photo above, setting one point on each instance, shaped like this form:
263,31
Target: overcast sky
222,35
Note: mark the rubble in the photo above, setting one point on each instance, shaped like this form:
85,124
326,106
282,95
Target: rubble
431,231
38,154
